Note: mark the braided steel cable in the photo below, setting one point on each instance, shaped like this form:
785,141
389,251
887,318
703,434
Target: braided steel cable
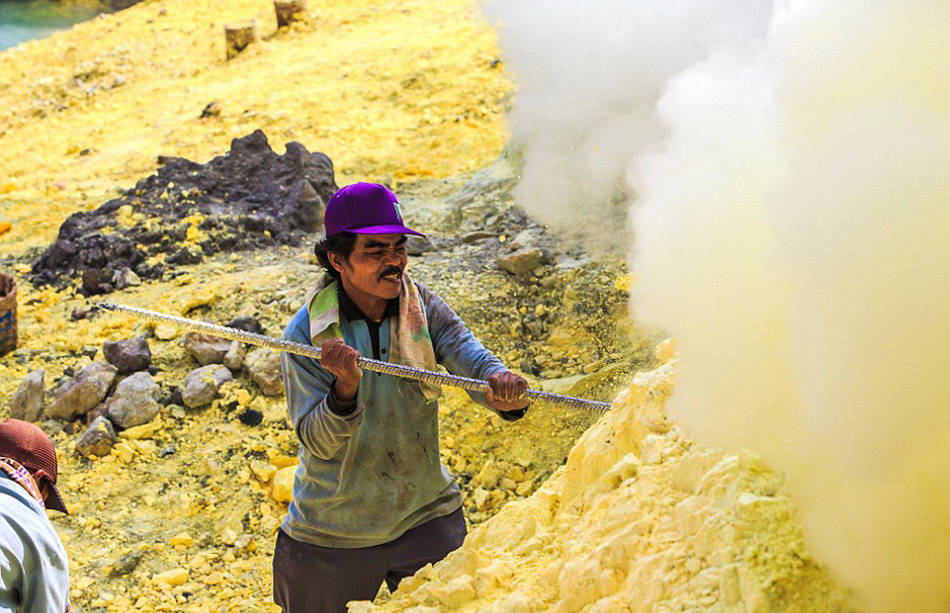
389,368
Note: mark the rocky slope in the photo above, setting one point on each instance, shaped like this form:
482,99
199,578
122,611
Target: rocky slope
177,511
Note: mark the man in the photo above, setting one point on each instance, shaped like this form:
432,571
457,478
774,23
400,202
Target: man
34,573
371,499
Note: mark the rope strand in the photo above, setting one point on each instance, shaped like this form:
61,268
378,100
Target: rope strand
389,368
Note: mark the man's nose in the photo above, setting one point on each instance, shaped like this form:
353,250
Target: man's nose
392,258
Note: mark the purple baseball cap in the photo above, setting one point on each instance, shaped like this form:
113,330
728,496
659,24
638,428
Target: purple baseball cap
364,208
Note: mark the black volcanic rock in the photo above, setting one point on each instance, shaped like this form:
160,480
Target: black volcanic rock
248,198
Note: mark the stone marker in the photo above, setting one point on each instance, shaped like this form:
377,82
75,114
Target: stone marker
239,35
288,11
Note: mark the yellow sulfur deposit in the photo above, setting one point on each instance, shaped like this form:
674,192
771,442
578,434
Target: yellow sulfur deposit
392,91
640,519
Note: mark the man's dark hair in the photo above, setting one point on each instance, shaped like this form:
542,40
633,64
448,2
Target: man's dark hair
342,243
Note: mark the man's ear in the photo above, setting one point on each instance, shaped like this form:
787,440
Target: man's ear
336,260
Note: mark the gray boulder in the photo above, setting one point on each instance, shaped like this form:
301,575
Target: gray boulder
234,358
264,367
482,203
471,238
205,348
135,401
525,239
522,261
417,245
98,438
27,401
127,356
124,277
83,392
201,385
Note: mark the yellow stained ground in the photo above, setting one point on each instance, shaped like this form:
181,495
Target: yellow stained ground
181,516
389,90
392,91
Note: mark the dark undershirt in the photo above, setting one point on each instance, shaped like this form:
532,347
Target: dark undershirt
351,312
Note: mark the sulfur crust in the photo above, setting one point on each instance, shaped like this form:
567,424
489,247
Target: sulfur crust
640,519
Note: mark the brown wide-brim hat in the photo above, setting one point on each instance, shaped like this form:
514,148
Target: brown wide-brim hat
28,445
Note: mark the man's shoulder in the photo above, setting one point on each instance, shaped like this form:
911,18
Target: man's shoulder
15,503
298,329
426,294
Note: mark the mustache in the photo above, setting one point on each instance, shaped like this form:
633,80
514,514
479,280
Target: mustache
392,269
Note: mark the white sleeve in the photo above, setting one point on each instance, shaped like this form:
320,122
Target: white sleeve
34,572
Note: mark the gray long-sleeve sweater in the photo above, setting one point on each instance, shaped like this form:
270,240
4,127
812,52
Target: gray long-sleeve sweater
368,476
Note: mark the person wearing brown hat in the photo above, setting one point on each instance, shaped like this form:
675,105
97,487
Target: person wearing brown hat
34,572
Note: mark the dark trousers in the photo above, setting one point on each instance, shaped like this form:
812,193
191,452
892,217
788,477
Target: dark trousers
312,579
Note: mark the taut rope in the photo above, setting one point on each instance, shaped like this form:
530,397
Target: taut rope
396,370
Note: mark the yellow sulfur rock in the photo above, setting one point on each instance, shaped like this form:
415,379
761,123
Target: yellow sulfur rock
182,538
83,582
175,576
215,578
455,592
165,332
199,560
480,496
123,452
615,530
622,283
143,430
282,461
283,485
263,470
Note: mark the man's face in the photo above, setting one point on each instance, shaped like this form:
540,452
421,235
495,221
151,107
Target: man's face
374,269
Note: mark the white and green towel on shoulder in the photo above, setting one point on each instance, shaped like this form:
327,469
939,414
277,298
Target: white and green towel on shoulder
411,343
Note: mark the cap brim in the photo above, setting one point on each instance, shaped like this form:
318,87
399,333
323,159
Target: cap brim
54,500
388,229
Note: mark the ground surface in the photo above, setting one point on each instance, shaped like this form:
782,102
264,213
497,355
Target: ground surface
390,91
180,516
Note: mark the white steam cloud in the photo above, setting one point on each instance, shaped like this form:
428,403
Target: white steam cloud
792,227
588,77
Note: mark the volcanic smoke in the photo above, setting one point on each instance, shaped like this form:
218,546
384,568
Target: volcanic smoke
785,168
